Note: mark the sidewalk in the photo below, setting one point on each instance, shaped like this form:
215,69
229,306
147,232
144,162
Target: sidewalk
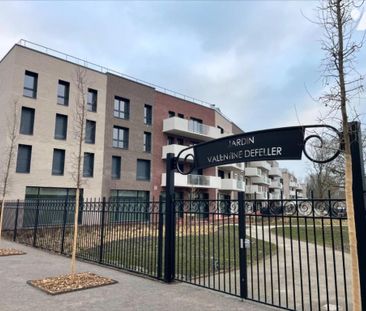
131,293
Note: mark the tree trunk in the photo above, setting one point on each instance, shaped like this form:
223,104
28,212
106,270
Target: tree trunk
75,236
356,292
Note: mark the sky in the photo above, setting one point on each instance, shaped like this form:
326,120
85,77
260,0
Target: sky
258,61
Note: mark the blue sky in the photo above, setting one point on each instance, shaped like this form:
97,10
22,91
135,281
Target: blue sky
258,61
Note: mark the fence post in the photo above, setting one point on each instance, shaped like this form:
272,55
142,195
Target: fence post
102,232
36,223
358,189
169,255
242,249
64,225
16,221
160,237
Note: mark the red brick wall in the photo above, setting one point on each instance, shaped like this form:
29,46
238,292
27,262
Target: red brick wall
163,104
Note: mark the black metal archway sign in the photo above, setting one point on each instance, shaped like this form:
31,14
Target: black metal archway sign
286,143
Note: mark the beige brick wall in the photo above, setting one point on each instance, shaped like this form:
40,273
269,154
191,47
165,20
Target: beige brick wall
50,70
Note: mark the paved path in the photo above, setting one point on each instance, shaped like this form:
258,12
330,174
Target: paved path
131,293
292,271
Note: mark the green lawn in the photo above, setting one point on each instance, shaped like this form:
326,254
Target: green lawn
323,236
196,255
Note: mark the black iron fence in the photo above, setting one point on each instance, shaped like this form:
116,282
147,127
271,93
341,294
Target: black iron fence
292,254
125,235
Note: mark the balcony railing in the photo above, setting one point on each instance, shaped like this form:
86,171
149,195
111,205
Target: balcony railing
233,166
232,184
261,180
199,181
191,129
261,164
175,149
252,172
275,171
275,185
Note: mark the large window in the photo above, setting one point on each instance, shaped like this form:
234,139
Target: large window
61,126
120,137
147,142
121,108
143,170
90,132
30,84
27,121
59,216
88,170
58,162
24,159
116,167
124,199
92,100
63,91
148,114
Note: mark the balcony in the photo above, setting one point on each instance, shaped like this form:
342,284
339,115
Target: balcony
232,184
256,192
292,193
191,129
293,184
261,180
232,166
275,185
251,189
262,164
198,181
252,172
176,149
275,171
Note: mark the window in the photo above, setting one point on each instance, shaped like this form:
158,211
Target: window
24,159
143,170
116,167
170,140
63,90
90,132
92,100
181,115
195,125
121,108
27,121
88,170
30,84
61,126
148,114
120,137
171,114
58,162
147,142
180,141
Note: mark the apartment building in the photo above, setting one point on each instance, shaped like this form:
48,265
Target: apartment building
130,128
292,188
179,124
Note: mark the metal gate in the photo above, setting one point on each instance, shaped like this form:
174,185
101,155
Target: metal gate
292,254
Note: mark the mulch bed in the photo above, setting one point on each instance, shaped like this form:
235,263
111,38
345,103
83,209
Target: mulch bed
10,252
70,283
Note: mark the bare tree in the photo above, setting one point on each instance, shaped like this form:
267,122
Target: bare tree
9,152
343,83
79,135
